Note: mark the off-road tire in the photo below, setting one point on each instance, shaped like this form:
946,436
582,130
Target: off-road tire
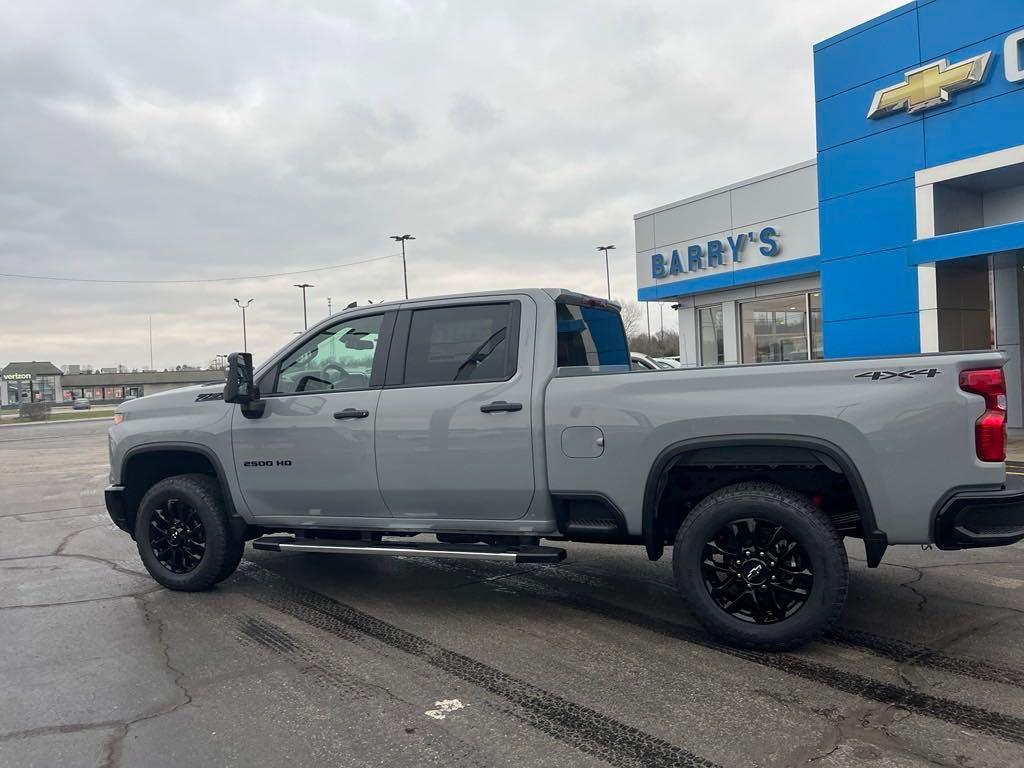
236,549
202,493
805,522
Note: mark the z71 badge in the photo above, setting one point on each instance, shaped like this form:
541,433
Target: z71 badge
929,373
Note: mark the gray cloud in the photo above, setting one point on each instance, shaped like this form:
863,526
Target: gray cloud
205,139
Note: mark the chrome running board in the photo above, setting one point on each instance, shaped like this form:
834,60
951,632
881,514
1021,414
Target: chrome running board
524,554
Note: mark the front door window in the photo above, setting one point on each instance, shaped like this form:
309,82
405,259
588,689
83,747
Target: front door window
339,358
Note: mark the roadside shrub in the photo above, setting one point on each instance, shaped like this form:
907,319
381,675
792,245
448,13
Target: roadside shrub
34,411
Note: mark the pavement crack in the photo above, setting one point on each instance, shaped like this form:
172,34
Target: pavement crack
67,539
113,747
919,575
48,730
106,598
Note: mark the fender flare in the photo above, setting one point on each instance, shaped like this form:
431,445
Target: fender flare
875,541
196,448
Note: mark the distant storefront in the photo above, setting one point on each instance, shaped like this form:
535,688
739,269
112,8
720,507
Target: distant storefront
44,382
32,382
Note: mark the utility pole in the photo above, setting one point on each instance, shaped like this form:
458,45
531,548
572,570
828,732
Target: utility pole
607,269
648,305
405,274
329,313
151,342
304,286
245,341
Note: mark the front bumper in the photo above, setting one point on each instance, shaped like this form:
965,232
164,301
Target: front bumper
113,497
980,519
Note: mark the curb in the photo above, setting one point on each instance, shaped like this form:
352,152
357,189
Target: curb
57,421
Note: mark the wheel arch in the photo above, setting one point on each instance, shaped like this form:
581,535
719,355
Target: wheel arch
147,464
762,449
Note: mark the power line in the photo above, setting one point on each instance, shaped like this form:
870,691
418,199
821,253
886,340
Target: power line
201,280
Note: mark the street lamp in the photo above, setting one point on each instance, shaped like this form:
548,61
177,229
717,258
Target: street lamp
607,269
245,341
405,275
304,286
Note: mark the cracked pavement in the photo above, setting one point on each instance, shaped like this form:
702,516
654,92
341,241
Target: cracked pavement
321,660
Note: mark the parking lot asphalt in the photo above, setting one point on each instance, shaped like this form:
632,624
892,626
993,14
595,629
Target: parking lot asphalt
320,660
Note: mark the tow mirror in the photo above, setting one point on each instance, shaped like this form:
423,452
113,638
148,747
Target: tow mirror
240,387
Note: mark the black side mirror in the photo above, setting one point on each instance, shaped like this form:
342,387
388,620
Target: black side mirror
240,387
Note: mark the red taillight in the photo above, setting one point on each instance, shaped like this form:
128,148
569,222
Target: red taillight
990,429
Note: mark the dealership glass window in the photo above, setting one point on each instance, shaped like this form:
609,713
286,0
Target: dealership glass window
964,292
712,342
781,329
817,329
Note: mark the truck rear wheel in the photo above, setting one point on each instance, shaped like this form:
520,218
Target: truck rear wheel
761,567
183,535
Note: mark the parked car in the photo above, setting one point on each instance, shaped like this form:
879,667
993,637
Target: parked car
495,420
81,404
641,362
668,362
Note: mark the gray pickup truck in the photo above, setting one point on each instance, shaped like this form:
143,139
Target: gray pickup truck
495,420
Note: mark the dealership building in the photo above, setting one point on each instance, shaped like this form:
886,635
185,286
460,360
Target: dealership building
905,234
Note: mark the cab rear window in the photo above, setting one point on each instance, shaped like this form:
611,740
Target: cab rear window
589,336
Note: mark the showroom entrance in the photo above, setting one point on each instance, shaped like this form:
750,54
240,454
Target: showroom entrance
980,303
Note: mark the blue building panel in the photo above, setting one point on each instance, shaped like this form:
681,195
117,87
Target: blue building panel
864,26
886,335
987,126
844,118
946,26
842,65
882,158
975,242
780,271
871,285
876,219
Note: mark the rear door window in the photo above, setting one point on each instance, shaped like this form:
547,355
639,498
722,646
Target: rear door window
590,336
461,344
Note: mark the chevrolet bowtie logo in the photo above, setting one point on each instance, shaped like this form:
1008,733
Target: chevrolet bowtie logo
929,86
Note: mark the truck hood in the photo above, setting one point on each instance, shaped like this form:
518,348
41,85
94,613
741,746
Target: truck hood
183,398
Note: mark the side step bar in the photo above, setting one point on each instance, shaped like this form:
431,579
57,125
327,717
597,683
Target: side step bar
526,554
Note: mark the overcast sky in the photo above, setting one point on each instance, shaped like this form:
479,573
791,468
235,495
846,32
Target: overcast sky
201,139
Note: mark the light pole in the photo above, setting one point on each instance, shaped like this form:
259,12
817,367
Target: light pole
243,307
607,269
304,286
405,275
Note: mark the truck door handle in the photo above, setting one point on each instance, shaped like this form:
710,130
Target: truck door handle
500,405
351,413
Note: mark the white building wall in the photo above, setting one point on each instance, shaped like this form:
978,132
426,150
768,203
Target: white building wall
786,200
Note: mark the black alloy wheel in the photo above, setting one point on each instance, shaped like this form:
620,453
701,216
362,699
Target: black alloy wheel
177,536
757,571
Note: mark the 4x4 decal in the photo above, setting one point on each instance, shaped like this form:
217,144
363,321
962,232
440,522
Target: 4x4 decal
930,373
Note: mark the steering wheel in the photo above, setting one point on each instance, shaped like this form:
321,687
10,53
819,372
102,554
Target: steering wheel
341,372
308,378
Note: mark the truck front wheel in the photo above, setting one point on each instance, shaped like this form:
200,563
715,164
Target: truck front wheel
183,535
761,567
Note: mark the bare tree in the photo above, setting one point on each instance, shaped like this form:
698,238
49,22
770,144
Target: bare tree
631,313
